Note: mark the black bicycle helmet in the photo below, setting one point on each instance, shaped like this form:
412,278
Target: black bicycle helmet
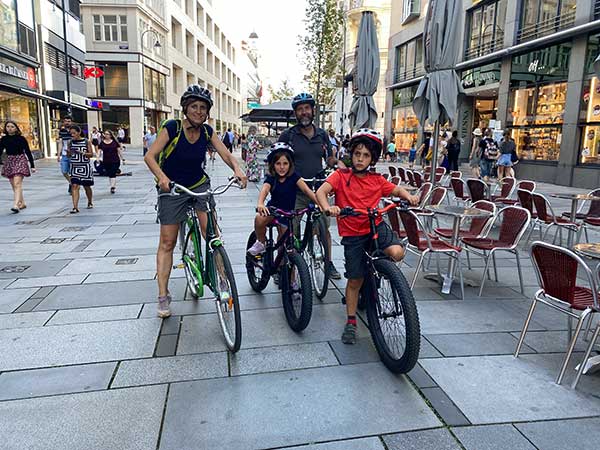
279,147
303,98
370,139
196,91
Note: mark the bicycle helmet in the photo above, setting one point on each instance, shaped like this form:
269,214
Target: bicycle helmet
196,91
279,147
301,99
370,139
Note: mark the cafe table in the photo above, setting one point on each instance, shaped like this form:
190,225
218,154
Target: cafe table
575,198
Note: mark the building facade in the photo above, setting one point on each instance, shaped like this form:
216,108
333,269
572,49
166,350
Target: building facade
526,66
353,10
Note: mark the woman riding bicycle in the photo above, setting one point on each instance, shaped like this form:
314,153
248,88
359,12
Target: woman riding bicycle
178,155
359,188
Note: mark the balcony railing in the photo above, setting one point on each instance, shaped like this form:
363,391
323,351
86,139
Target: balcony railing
485,48
546,27
597,10
410,73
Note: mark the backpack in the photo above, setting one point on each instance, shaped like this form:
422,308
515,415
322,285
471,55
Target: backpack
166,152
491,150
226,140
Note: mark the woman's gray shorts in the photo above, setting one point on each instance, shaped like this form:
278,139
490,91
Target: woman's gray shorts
173,210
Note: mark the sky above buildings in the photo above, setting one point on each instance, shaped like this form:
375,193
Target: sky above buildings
278,24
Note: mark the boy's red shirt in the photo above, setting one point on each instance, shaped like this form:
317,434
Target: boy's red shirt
365,192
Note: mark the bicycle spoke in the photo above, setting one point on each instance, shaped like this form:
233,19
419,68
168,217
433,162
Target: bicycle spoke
391,319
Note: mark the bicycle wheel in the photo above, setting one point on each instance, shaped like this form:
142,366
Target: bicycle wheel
296,292
228,305
258,277
193,275
393,318
318,259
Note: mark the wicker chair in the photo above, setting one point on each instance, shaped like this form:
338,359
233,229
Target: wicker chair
556,269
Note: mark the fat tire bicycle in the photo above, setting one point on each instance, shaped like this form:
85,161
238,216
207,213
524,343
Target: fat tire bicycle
391,309
215,270
294,276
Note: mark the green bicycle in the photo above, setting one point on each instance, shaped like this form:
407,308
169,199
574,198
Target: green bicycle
215,270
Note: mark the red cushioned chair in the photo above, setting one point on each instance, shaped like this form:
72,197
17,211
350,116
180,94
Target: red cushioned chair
514,223
422,243
545,215
385,175
526,185
593,210
410,176
418,179
477,189
508,185
392,171
458,187
402,174
556,269
395,180
456,174
479,226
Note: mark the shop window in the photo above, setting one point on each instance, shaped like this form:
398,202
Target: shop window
115,81
405,125
485,28
8,24
22,110
27,41
590,123
544,17
538,143
117,116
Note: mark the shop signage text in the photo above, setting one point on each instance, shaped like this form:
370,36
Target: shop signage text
25,73
481,76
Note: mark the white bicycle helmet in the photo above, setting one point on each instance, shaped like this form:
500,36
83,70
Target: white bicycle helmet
370,136
279,147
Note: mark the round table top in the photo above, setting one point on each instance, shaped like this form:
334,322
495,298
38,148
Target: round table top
458,211
589,250
574,196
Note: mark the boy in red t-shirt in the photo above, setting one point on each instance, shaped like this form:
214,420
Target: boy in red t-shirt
358,188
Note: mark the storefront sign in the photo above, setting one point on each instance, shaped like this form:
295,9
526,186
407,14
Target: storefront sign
17,74
481,76
548,64
96,104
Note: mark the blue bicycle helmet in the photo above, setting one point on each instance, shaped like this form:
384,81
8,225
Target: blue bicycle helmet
303,98
196,91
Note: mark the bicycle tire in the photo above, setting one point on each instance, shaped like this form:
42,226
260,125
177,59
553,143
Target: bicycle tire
297,308
257,283
318,261
398,307
229,307
194,280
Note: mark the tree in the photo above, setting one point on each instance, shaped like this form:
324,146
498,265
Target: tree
322,47
283,92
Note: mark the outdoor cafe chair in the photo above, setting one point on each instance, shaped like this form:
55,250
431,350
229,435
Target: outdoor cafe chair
545,215
410,176
456,174
418,179
386,176
458,186
421,243
477,189
513,224
392,171
593,210
424,192
508,185
401,172
395,180
523,184
556,269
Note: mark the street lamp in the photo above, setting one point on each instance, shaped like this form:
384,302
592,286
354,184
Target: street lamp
156,45
220,98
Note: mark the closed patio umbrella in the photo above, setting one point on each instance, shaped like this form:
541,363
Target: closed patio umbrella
363,113
436,99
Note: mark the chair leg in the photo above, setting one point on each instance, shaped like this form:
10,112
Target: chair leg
572,345
520,272
570,327
525,327
462,281
468,260
587,238
485,271
586,357
418,267
495,267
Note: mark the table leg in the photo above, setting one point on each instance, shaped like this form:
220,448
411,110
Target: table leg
571,231
449,277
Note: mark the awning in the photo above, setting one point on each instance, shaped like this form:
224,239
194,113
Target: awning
43,97
280,111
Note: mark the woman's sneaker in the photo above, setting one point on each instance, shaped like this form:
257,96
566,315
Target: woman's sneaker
163,306
257,248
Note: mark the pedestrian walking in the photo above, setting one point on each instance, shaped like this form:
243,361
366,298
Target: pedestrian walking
507,148
64,140
474,156
80,152
425,148
111,158
335,143
489,154
149,138
391,151
95,136
17,163
412,154
453,151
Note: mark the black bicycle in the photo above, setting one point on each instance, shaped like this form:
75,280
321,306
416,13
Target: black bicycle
391,308
314,243
294,276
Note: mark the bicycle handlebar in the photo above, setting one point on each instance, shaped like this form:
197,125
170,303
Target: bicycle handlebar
177,189
373,212
276,212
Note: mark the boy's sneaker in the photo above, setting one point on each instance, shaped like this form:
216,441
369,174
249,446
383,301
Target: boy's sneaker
163,306
257,248
349,334
333,273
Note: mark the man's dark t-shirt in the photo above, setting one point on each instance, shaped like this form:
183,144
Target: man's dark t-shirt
309,154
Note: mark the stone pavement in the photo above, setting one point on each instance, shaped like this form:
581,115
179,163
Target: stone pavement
87,365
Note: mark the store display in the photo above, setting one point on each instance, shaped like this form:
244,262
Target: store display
541,143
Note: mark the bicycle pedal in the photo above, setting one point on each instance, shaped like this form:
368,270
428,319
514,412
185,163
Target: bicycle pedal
179,266
343,300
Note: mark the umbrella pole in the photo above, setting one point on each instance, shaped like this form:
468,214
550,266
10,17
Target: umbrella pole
434,153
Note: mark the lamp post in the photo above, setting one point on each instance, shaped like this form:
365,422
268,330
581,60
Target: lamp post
156,45
220,106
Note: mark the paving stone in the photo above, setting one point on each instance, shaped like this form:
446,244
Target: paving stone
552,341
171,369
83,315
493,389
582,434
76,255
286,357
47,281
107,265
361,352
167,345
132,251
33,268
171,325
438,439
43,292
493,437
443,405
263,328
279,399
12,299
11,257
91,421
57,380
472,344
24,320
371,443
120,276
421,379
78,344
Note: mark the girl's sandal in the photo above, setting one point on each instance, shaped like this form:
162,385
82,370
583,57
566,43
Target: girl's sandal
74,211
90,205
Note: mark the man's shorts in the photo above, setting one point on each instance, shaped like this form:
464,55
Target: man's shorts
302,202
354,249
65,165
173,210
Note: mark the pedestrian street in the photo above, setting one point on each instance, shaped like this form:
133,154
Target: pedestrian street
87,364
